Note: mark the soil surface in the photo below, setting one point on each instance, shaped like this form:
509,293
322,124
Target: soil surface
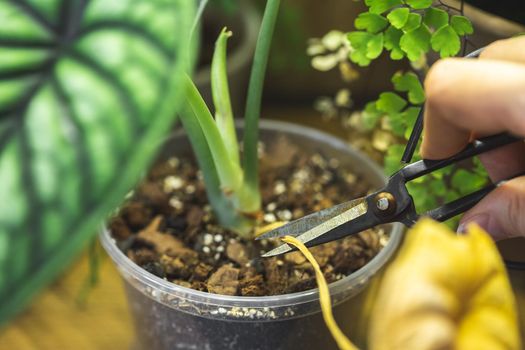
167,227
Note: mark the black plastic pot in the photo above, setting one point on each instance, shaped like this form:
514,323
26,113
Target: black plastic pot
168,316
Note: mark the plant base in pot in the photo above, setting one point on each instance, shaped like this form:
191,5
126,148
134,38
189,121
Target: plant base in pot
170,316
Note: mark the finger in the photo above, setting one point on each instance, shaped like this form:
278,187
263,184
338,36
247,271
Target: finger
484,96
504,162
501,212
512,50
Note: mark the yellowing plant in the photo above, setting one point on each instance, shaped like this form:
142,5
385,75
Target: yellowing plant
445,291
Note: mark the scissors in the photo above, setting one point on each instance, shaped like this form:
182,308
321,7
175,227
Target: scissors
392,203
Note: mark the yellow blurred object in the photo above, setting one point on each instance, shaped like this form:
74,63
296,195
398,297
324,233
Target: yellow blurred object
445,291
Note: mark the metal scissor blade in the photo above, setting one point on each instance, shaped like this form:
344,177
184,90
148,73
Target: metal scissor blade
351,220
306,223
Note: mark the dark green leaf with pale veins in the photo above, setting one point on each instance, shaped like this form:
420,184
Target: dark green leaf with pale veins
88,88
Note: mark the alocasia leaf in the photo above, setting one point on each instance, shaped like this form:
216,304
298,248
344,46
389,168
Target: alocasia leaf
398,17
370,22
88,89
416,42
435,18
461,25
445,41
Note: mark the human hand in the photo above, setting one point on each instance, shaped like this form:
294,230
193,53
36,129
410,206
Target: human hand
467,98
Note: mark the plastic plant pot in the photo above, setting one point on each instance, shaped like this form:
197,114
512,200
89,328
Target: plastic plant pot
168,316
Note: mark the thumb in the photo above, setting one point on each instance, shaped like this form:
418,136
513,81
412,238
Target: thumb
502,212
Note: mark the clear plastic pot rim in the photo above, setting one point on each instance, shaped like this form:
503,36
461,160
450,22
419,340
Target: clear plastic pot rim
340,290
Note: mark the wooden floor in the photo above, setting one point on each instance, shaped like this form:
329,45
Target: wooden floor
57,321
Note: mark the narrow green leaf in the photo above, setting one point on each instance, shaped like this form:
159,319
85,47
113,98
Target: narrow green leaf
222,206
371,22
230,174
221,97
419,4
374,47
409,82
446,41
398,17
416,43
380,6
461,25
253,103
391,42
413,22
390,102
359,43
435,18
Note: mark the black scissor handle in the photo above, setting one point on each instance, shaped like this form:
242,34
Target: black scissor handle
425,166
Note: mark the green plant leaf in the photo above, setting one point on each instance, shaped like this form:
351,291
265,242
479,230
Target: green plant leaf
461,25
445,41
221,97
229,172
88,89
435,18
374,47
391,42
380,6
370,115
410,116
413,22
371,22
409,82
465,182
419,4
416,42
390,102
392,161
359,42
398,17
250,160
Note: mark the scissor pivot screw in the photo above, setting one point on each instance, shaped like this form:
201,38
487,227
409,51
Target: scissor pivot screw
385,203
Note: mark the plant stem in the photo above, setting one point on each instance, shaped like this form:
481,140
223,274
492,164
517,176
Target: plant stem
253,101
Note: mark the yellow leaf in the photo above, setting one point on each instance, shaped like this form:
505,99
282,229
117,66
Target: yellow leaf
445,291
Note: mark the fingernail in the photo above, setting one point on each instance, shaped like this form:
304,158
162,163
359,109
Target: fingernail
482,220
